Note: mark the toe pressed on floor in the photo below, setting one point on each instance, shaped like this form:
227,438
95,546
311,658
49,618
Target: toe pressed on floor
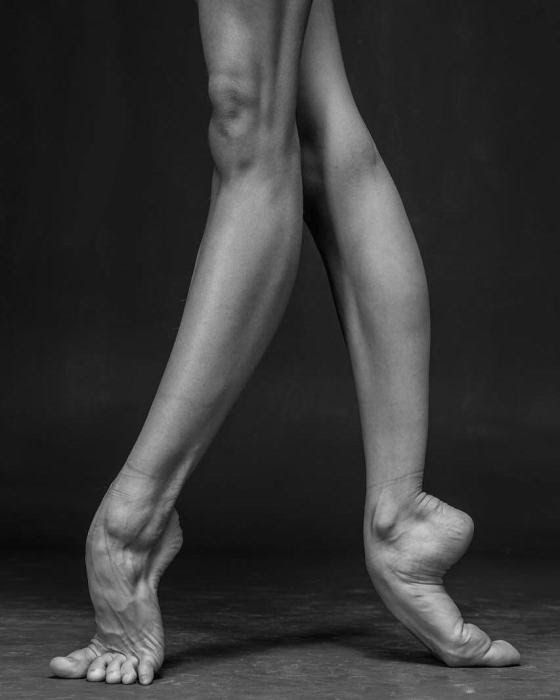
66,667
109,667
75,665
114,669
499,654
97,670
502,653
146,672
128,670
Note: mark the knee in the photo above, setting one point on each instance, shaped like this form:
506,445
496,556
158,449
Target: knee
235,107
244,131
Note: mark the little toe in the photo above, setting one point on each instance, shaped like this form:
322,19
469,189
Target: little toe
128,670
75,665
502,653
146,671
113,673
98,667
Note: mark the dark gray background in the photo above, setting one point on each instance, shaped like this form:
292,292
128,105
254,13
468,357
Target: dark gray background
105,185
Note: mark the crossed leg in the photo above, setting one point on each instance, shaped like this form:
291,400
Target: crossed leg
242,279
376,274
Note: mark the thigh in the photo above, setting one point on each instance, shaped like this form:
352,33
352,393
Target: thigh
253,48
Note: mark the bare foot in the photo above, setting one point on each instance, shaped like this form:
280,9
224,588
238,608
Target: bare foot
123,577
407,555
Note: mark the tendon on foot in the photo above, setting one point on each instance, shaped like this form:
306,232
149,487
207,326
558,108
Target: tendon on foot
128,645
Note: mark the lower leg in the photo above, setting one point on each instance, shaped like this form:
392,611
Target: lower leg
376,273
242,279
244,272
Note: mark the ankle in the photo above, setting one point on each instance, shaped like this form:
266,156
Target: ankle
126,521
386,514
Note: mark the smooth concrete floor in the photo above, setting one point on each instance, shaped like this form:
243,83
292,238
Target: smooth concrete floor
286,628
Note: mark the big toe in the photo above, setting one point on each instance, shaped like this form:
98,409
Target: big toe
501,653
74,665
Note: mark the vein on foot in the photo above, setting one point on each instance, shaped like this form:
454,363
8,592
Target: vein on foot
128,645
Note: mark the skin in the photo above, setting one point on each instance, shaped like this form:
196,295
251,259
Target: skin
265,58
361,229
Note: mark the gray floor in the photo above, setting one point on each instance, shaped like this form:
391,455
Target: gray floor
241,628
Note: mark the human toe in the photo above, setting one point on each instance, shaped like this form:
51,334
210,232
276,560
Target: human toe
146,671
98,667
113,673
128,670
75,665
501,653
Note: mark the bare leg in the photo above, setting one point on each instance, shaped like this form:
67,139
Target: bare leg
244,273
377,277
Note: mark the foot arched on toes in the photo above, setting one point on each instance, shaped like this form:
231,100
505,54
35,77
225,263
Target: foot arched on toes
125,599
409,549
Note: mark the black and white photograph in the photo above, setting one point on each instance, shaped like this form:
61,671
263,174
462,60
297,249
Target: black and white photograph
280,349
